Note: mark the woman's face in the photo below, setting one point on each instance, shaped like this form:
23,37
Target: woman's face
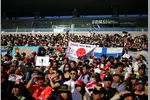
78,88
50,70
66,67
64,96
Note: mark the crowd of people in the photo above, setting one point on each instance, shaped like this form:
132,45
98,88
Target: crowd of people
105,78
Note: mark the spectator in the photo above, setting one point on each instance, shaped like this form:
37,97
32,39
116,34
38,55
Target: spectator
64,93
85,76
117,82
73,78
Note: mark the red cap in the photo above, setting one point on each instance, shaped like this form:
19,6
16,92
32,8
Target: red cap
79,82
27,59
34,52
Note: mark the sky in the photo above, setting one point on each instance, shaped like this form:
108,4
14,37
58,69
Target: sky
65,7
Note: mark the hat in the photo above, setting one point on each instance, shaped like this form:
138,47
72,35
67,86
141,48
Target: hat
108,78
116,73
139,82
79,83
34,52
27,59
96,76
124,60
64,88
98,89
133,76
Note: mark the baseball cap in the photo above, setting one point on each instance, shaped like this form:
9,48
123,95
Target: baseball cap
108,77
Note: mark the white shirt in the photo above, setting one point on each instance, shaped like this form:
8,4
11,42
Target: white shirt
72,84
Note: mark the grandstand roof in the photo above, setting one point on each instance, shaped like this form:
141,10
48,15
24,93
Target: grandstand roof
65,7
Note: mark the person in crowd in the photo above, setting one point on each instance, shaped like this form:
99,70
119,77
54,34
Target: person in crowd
39,90
131,82
64,63
85,74
109,92
98,93
64,93
55,82
66,70
139,91
117,82
127,68
79,90
72,81
73,65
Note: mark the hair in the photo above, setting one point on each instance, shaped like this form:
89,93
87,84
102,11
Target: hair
74,70
68,67
68,93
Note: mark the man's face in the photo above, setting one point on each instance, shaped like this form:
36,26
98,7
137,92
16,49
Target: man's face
107,84
84,70
41,82
116,79
16,90
103,59
141,72
73,75
120,68
139,87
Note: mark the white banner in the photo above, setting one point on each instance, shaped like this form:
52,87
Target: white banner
76,50
14,77
42,61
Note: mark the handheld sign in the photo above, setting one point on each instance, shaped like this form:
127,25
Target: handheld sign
42,61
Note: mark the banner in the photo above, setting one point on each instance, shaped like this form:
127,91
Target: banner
115,52
42,61
4,50
77,50
14,77
27,49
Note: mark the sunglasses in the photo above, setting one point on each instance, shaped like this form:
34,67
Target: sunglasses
73,73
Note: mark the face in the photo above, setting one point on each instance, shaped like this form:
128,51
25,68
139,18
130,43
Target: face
108,63
107,84
72,65
97,96
141,72
73,75
103,58
54,64
16,91
78,88
116,79
54,74
51,70
133,81
84,70
65,61
139,87
66,67
40,82
64,96
120,68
